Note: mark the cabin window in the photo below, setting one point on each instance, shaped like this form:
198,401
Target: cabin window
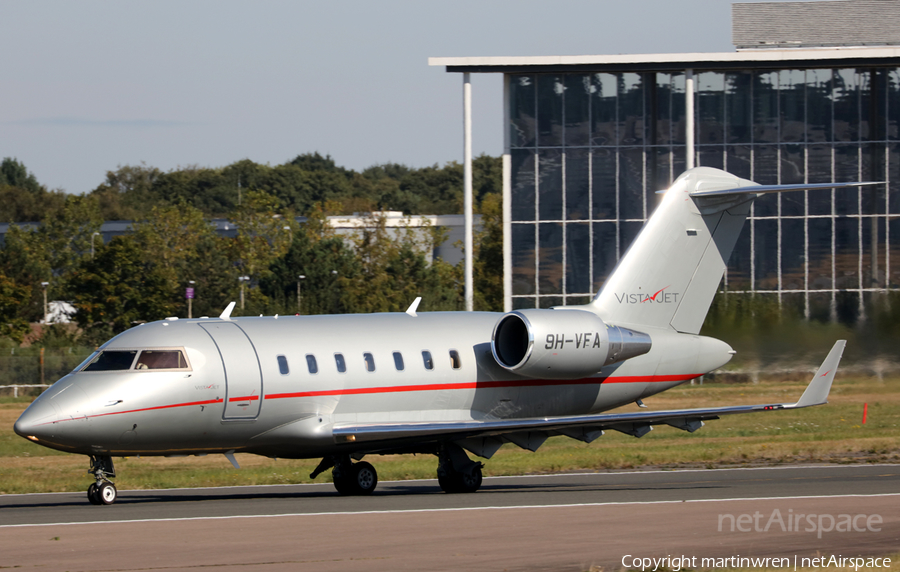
161,359
370,361
398,361
311,363
341,364
454,359
426,358
283,365
111,360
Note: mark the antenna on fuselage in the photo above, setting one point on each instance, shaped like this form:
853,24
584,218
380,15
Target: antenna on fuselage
412,307
226,313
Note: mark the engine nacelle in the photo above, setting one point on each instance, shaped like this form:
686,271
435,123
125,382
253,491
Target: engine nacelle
562,344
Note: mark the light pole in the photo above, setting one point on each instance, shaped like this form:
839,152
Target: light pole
242,279
189,294
299,278
44,286
92,243
290,235
333,280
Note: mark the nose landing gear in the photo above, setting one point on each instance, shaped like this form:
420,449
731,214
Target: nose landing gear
103,491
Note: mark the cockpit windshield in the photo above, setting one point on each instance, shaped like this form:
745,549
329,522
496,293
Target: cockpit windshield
111,360
120,360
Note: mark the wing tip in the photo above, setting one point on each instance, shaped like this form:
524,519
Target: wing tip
819,387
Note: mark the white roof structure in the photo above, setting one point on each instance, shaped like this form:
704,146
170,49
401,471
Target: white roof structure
755,58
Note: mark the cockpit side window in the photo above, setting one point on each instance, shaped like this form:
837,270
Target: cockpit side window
111,360
161,359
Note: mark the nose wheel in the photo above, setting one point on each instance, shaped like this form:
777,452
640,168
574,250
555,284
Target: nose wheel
103,491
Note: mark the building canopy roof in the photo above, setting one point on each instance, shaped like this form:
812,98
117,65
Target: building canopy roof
771,58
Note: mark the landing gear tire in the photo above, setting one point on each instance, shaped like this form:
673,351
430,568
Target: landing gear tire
107,493
92,494
470,482
456,482
355,479
366,479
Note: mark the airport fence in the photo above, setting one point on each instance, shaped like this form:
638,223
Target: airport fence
28,371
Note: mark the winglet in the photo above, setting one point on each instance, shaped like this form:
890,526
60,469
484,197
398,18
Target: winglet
226,313
412,307
817,391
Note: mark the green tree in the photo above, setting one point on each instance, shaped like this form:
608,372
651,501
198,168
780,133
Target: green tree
207,189
487,267
22,198
14,174
25,260
127,192
121,286
321,260
394,270
67,233
171,234
263,234
12,297
214,275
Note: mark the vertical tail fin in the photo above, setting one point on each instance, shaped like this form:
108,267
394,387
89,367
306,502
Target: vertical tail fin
669,275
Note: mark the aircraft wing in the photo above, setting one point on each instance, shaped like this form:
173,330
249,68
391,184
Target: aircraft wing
533,431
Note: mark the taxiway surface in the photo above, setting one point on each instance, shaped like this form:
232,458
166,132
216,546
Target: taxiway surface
557,522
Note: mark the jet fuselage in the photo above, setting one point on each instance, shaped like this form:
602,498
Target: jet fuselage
272,385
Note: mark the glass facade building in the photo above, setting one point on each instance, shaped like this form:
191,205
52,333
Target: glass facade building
589,149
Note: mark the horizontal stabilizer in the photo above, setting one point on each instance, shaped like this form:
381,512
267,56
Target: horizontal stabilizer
763,189
383,436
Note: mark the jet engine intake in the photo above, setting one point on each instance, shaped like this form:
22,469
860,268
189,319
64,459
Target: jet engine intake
562,344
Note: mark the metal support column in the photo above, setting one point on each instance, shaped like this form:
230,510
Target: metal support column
507,202
689,119
467,186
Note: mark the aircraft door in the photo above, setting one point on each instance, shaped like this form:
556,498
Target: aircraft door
243,376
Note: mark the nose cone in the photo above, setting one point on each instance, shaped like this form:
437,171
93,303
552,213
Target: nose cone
37,419
59,419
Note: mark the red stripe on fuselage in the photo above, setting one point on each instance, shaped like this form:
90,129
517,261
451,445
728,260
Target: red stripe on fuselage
245,398
485,385
423,387
157,407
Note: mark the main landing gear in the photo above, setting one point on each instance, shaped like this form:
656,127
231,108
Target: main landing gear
349,478
103,491
457,473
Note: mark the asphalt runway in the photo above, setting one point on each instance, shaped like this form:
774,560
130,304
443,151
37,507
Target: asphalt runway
558,522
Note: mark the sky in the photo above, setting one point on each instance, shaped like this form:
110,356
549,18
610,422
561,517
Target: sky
90,86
